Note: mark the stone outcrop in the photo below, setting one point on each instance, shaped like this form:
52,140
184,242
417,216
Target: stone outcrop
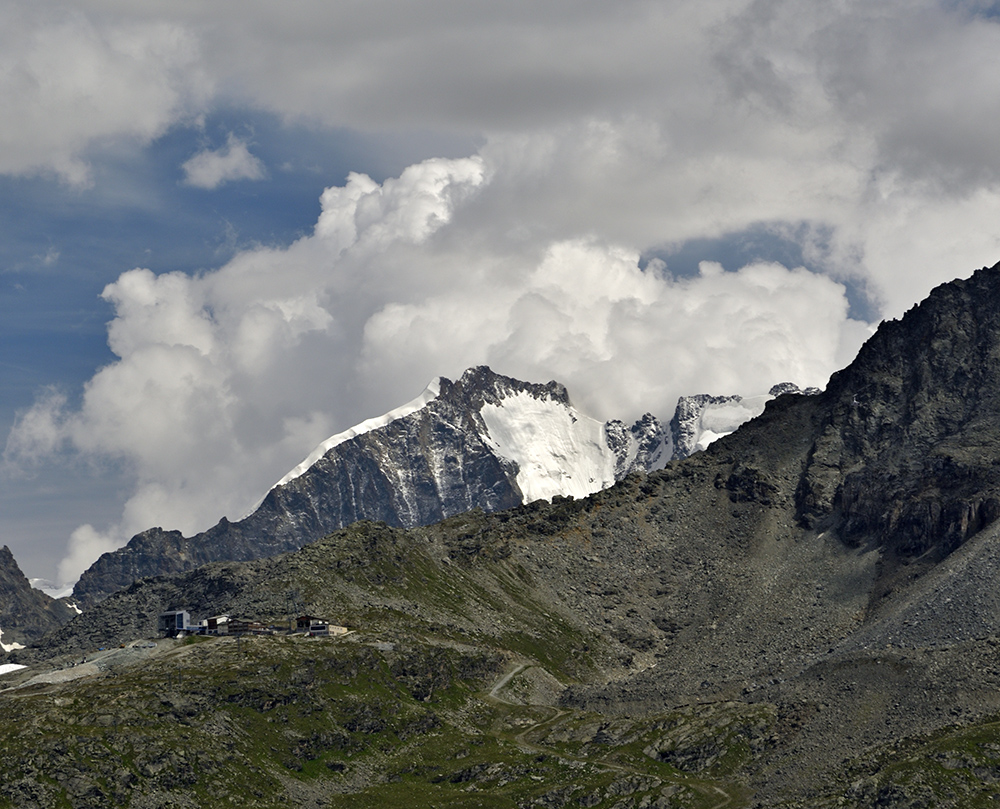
908,447
685,427
25,613
415,470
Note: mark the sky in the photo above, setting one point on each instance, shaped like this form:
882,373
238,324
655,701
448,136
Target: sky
230,230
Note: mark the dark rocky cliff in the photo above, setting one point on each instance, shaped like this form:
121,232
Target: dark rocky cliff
909,443
25,613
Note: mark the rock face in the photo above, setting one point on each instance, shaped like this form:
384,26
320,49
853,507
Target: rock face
640,448
25,613
908,450
486,441
686,427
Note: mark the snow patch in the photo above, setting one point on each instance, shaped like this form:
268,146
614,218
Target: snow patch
7,668
430,393
9,647
556,449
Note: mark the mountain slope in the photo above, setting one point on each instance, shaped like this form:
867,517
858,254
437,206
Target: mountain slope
486,441
800,615
25,613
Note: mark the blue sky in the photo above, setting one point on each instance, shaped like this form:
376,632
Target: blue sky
225,238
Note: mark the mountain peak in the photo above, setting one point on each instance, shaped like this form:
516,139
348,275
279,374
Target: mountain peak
481,384
485,441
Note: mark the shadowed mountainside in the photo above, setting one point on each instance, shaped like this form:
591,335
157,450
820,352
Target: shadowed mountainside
25,613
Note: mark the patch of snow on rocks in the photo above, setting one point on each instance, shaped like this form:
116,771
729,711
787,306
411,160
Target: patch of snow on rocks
556,449
9,647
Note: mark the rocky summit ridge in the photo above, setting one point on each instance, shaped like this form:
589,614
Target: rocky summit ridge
485,441
801,615
482,441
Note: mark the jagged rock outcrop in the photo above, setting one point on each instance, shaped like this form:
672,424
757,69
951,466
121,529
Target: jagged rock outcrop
486,441
25,613
685,426
640,448
909,448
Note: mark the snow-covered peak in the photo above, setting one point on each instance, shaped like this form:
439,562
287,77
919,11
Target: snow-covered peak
431,392
557,450
483,385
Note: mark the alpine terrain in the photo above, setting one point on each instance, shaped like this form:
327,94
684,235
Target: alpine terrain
25,613
803,614
486,441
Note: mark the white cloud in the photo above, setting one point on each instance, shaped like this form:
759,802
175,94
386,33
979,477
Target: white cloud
40,430
85,544
69,80
211,168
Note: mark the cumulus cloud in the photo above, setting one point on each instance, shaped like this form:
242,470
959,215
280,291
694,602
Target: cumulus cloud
85,544
211,168
69,80
226,379
645,125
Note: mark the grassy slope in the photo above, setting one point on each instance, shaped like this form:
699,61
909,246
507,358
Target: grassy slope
326,722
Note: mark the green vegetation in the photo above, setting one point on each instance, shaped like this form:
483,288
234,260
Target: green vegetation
955,767
274,721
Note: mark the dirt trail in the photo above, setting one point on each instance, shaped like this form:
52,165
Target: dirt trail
504,679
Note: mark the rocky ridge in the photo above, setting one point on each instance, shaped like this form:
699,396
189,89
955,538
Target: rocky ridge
437,461
703,418
25,613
